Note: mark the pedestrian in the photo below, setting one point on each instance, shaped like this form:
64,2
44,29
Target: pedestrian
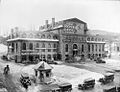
6,69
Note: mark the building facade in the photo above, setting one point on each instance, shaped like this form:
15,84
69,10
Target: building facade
96,45
58,40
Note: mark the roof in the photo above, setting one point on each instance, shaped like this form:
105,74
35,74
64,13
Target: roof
42,65
74,20
31,39
89,79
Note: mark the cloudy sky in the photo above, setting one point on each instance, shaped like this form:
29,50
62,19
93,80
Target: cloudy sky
30,14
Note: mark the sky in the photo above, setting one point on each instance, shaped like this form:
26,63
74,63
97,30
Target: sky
30,14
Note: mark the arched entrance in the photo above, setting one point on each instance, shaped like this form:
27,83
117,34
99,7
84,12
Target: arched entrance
75,49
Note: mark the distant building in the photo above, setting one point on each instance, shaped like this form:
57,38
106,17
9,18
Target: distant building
58,40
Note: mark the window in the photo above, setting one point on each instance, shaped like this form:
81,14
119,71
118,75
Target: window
55,37
102,47
37,45
88,39
92,39
75,46
31,46
24,46
99,47
96,47
24,57
66,48
54,45
49,56
92,47
82,48
43,45
49,36
49,45
16,47
43,36
12,47
88,47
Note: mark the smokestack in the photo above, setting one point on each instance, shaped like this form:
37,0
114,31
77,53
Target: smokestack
46,23
53,22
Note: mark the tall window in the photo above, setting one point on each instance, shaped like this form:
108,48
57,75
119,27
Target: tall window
24,46
54,45
92,47
66,47
99,47
102,47
88,47
13,47
49,46
82,48
96,47
31,46
16,47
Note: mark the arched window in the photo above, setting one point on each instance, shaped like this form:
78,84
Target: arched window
82,48
55,37
88,39
24,46
49,36
37,45
75,46
43,45
66,47
31,46
49,45
43,36
92,39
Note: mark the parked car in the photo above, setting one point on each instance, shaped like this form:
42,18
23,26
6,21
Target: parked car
88,83
51,62
65,87
110,89
108,77
99,60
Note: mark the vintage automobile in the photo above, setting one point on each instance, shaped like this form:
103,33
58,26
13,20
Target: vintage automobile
110,89
99,60
88,83
50,88
51,62
108,77
65,87
118,89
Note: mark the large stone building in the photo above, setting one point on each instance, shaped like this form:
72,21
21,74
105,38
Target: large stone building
57,40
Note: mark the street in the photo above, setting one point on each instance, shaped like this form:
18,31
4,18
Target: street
99,68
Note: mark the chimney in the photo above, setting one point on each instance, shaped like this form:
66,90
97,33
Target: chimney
11,36
46,23
53,22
